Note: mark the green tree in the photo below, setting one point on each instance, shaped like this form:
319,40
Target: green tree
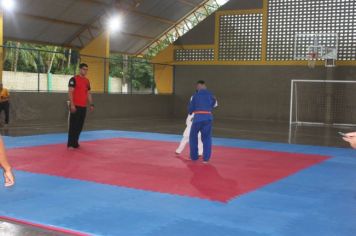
116,65
26,57
141,74
18,59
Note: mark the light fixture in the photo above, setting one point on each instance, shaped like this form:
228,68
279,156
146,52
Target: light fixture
115,23
8,5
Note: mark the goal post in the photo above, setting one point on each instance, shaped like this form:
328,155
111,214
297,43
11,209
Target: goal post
323,102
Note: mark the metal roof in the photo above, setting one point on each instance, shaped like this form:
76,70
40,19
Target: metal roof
74,23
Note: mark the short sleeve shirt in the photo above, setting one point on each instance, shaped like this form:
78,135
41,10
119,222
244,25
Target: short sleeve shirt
4,93
81,87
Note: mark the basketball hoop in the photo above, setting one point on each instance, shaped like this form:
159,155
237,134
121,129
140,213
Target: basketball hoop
330,56
312,58
330,62
316,47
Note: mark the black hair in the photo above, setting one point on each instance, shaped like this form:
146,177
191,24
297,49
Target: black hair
201,82
83,65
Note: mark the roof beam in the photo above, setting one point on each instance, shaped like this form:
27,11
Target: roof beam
96,2
196,7
82,29
56,21
121,32
126,10
187,3
137,36
34,41
52,20
136,3
132,10
163,20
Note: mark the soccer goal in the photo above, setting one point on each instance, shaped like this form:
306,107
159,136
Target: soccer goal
323,102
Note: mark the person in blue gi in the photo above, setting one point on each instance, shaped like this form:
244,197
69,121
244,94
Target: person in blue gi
201,105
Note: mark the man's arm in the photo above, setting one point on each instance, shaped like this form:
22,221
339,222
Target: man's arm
90,99
71,88
73,109
8,175
191,107
70,95
214,102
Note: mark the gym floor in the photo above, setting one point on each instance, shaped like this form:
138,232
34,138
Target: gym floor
131,183
223,128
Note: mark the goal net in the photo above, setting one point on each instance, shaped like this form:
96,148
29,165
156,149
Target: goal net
323,102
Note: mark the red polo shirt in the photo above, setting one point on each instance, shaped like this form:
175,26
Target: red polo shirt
81,87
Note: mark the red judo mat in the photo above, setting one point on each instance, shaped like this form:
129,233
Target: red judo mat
153,165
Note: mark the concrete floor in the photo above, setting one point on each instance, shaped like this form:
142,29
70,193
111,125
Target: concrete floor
226,128
256,130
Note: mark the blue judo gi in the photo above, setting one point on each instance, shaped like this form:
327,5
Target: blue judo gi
201,106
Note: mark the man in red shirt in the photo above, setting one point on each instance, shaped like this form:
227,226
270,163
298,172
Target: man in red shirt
79,95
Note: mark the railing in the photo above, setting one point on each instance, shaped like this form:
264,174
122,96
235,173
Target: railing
42,70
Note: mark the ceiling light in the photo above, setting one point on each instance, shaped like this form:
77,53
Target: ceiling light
115,23
8,5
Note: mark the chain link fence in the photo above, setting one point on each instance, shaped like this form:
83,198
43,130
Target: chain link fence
33,69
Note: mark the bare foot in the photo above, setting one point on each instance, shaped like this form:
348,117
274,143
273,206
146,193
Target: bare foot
9,178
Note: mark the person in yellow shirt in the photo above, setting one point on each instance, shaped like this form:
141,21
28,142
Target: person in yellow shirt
4,102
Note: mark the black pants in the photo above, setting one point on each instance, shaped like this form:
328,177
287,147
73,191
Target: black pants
6,107
76,122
